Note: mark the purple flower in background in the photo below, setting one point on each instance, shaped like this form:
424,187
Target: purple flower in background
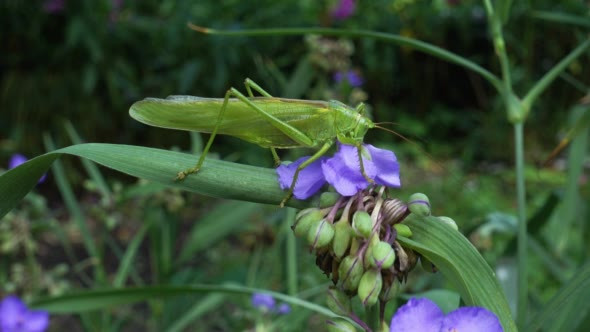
267,303
17,159
425,316
343,9
263,301
54,6
342,171
16,317
353,78
310,179
283,309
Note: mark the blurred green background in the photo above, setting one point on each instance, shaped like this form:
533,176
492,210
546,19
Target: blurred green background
87,61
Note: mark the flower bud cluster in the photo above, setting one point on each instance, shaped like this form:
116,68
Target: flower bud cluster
355,242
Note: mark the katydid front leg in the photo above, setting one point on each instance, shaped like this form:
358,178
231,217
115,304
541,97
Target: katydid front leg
362,165
287,129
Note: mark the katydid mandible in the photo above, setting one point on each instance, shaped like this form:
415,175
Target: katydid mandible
275,123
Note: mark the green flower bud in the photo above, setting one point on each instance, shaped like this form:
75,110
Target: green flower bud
419,204
403,230
305,219
362,224
382,255
320,234
342,237
370,287
340,325
427,265
338,302
328,199
449,221
350,272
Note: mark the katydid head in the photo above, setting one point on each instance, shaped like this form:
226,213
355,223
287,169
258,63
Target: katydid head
352,123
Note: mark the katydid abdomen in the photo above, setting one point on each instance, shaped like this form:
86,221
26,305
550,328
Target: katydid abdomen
315,119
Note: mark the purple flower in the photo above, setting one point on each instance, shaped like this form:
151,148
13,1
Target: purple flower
283,309
310,179
263,301
351,76
343,171
54,6
17,159
15,317
343,10
266,303
424,315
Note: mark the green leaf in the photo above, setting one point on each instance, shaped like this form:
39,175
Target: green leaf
107,298
460,263
217,178
559,313
387,37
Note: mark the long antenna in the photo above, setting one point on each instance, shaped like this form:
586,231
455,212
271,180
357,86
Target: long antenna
413,143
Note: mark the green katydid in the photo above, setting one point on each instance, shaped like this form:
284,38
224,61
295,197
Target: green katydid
267,121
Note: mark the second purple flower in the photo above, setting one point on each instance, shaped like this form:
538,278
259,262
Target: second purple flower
343,171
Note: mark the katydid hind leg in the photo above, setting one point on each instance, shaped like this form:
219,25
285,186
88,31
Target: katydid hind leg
284,127
302,166
181,175
253,85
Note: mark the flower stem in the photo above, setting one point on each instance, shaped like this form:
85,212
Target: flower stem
291,253
373,318
522,227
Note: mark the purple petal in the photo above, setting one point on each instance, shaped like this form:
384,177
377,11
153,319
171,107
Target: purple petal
343,170
12,310
354,79
347,182
385,162
418,315
310,179
471,319
344,9
16,160
284,309
37,321
263,301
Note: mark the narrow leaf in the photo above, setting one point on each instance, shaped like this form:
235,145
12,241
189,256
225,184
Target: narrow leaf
461,264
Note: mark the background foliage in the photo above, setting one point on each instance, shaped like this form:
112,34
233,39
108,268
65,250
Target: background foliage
87,61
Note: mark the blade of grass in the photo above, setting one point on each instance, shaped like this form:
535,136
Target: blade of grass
223,220
217,178
90,167
125,264
76,212
460,263
207,304
388,37
552,74
577,290
563,18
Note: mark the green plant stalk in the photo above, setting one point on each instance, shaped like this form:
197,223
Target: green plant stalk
291,253
373,318
516,115
551,75
522,302
388,37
